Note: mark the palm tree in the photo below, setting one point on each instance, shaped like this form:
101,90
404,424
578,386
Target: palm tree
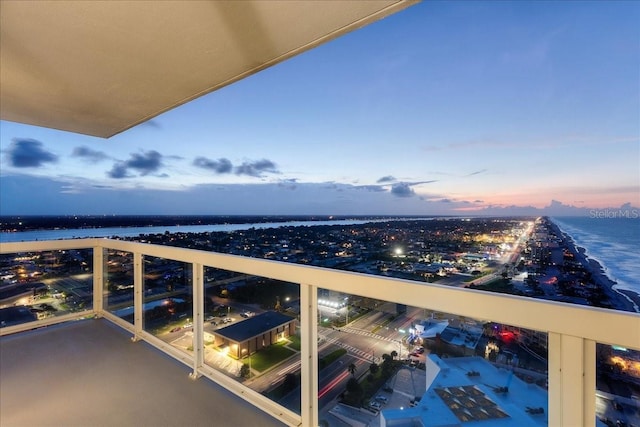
352,369
373,368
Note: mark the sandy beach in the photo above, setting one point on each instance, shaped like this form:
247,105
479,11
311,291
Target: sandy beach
620,299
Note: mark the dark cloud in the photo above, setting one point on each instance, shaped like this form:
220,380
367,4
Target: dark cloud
144,163
119,171
257,168
370,187
477,172
88,154
387,178
29,153
221,165
478,201
402,189
446,201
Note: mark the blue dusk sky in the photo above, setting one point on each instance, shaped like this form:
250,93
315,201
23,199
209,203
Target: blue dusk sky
457,108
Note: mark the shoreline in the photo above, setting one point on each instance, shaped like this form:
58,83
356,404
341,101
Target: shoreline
620,299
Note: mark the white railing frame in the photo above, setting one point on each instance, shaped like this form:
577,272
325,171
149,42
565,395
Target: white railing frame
573,330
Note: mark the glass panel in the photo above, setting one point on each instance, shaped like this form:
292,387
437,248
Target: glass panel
168,301
617,385
407,363
118,292
251,333
39,285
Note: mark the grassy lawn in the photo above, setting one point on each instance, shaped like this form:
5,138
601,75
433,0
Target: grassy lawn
331,357
295,342
267,357
498,285
477,276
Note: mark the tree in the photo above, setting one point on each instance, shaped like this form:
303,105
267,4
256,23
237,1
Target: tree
373,368
245,371
387,364
354,388
352,369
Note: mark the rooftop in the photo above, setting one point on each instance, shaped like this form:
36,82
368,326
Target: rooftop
454,397
254,326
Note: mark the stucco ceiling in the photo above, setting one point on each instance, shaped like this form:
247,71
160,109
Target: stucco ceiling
101,67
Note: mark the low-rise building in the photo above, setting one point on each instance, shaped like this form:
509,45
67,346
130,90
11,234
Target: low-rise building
255,333
469,389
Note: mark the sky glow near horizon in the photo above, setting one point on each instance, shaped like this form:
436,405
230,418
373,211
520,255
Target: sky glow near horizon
443,108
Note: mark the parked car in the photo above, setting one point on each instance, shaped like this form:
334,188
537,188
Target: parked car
382,399
375,405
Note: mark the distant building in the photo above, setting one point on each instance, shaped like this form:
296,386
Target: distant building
12,293
257,332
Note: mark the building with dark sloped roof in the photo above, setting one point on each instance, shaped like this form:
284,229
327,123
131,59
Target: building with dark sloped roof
255,333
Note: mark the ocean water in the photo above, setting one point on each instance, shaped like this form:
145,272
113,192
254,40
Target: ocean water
613,242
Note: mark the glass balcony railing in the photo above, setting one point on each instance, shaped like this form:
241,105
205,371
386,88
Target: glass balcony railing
290,339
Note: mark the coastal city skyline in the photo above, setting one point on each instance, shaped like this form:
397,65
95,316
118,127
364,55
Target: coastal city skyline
528,257
520,109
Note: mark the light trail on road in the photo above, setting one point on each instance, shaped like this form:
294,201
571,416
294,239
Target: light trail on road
332,384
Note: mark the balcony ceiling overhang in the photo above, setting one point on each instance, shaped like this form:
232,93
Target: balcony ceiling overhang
101,67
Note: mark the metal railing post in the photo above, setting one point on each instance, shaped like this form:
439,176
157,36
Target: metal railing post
138,295
309,355
197,284
571,381
99,261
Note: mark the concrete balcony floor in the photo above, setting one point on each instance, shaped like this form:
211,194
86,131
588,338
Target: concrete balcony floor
89,373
